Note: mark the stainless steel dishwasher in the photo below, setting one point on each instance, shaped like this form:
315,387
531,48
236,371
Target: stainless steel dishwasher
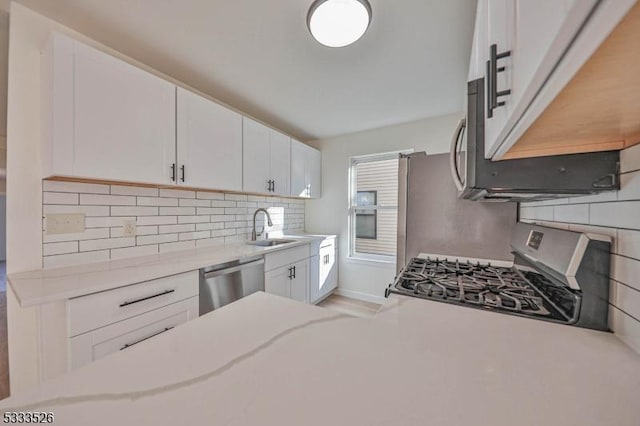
228,282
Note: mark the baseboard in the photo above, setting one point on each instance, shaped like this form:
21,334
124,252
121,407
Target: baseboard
366,297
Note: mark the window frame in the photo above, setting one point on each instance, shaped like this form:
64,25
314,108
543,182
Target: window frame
352,191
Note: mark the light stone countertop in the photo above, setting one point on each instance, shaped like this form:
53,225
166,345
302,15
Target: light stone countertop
50,285
266,360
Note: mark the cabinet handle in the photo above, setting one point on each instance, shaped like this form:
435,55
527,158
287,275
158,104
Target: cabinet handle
269,185
290,272
273,187
128,345
492,79
182,170
123,304
173,172
294,272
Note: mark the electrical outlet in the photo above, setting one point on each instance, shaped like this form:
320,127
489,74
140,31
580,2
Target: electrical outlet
129,228
64,223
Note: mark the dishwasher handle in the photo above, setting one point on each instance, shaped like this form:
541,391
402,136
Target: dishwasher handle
232,269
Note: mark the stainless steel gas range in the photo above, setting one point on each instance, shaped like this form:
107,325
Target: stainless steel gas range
557,275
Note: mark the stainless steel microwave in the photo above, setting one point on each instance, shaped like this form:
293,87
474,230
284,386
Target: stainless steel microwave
528,179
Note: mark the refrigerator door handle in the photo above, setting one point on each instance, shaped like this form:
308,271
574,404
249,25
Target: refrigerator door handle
453,161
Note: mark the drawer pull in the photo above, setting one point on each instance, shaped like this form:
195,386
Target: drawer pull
122,305
128,345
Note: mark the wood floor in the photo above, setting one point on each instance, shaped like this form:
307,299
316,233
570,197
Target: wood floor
354,307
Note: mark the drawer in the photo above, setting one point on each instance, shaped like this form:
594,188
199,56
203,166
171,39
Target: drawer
123,335
97,310
319,244
285,257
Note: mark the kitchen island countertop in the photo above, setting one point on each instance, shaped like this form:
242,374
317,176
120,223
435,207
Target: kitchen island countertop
265,360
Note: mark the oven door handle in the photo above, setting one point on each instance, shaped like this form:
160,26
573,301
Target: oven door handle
453,161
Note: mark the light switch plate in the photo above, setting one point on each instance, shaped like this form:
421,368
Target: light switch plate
71,223
129,228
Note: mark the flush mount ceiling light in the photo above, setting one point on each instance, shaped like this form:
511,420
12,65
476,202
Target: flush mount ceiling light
338,23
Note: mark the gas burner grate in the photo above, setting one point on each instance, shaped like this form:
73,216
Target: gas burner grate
484,286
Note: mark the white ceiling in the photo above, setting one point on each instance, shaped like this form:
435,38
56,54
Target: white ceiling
258,56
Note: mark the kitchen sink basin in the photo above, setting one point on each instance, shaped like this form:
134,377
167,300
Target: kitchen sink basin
269,243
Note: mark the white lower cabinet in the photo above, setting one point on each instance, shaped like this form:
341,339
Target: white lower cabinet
323,267
122,335
109,321
287,273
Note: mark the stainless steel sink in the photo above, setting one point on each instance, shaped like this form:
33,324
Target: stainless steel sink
269,243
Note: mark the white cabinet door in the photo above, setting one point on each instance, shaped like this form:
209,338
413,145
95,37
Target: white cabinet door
280,156
123,120
306,165
278,281
300,281
298,169
256,156
209,143
500,29
314,179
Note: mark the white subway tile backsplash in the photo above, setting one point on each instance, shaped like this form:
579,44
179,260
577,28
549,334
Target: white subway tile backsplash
626,327
60,248
629,186
106,222
193,219
87,210
123,253
571,213
60,198
85,188
134,190
209,226
107,200
626,298
177,211
626,270
140,230
62,260
177,193
172,229
156,239
210,242
88,234
617,215
133,211
195,235
628,243
236,197
166,220
108,243
624,214
157,201
182,245
157,220
194,203
630,159
210,195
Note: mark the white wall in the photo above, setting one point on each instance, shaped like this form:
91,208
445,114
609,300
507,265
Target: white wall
329,214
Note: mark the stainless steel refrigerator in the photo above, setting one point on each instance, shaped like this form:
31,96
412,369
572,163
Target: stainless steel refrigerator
432,219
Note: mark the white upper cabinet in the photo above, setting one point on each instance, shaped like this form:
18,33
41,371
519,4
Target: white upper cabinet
266,159
305,171
106,119
209,143
527,51
280,163
256,157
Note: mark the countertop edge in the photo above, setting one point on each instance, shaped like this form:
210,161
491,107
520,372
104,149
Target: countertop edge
143,273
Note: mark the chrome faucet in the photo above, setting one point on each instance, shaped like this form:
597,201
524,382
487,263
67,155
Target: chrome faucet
255,235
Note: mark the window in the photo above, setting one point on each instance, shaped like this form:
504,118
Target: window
373,207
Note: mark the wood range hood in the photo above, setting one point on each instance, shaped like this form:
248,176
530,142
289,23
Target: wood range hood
599,109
